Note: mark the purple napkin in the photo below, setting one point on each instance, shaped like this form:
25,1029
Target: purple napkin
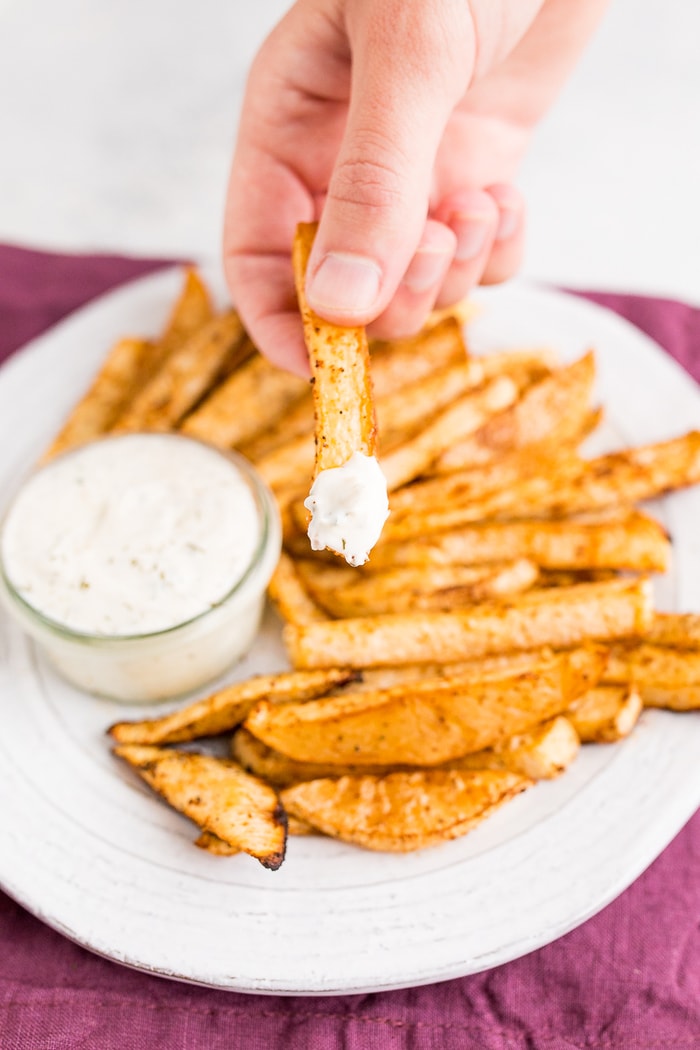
628,978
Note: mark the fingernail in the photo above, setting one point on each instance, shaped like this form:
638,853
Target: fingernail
508,223
425,270
344,283
471,232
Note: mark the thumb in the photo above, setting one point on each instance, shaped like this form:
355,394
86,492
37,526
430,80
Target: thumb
410,66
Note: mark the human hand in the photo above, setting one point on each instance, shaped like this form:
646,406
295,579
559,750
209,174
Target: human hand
399,127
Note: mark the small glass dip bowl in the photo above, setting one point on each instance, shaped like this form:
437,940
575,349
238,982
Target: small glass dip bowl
181,657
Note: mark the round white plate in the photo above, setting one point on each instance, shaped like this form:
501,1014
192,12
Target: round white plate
86,847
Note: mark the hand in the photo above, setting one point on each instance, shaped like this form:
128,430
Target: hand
399,126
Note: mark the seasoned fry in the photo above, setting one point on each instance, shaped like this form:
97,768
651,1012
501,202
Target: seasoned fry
430,589
213,844
192,310
672,698
400,414
570,577
404,362
464,416
288,464
187,375
402,811
636,543
218,796
119,378
606,714
618,479
462,312
675,630
227,708
247,402
129,365
560,617
339,358
543,753
289,595
525,366
297,420
645,663
429,722
553,409
463,487
281,770
664,677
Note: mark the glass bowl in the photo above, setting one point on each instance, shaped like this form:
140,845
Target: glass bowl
180,658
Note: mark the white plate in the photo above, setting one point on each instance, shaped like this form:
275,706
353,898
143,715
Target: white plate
89,850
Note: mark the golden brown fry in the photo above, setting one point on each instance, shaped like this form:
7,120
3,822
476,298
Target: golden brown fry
675,630
606,714
636,543
339,358
543,753
289,595
570,577
187,375
248,401
664,677
281,770
464,416
119,378
227,708
616,479
289,465
462,312
402,413
671,698
559,617
525,366
646,664
402,811
406,361
429,722
192,310
129,365
297,420
213,844
540,754
463,487
552,409
433,588
218,796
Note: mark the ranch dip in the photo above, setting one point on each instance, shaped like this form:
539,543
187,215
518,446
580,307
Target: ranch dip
349,506
131,535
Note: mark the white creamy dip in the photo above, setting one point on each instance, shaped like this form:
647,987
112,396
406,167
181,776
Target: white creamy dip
349,506
130,535
140,563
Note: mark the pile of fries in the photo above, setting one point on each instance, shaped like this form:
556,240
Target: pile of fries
504,619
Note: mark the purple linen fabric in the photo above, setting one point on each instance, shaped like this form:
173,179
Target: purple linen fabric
628,978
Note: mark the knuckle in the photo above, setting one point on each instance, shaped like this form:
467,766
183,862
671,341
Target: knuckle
367,181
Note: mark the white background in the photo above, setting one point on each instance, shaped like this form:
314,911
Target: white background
117,121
